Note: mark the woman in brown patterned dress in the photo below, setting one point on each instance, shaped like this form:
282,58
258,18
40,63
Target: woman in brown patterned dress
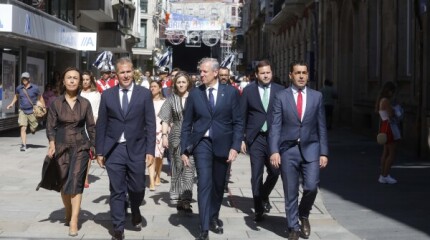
69,144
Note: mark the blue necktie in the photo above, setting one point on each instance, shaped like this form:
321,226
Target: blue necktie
212,105
211,99
124,101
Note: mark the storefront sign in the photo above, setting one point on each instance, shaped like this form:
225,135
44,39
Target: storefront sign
36,26
5,18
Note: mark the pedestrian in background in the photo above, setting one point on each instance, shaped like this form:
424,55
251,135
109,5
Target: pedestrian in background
28,95
329,98
171,115
125,144
299,146
256,105
71,133
89,91
48,96
212,131
154,170
107,80
389,124
166,82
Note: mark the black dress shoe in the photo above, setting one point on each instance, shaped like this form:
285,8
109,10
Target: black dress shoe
204,235
293,235
216,226
267,206
118,235
136,220
258,217
305,228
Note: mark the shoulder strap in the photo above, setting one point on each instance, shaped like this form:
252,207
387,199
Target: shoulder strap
26,94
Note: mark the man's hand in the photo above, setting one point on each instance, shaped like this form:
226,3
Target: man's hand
185,160
149,160
323,161
275,160
243,147
101,161
232,155
9,106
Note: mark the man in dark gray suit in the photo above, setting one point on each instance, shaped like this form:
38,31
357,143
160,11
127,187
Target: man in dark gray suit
257,104
298,146
125,140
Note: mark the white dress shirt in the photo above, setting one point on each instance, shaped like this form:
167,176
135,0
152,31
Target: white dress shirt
121,93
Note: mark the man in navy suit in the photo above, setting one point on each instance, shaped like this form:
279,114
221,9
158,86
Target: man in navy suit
125,141
212,131
298,145
257,104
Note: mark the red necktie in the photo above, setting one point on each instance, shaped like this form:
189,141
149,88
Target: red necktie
299,103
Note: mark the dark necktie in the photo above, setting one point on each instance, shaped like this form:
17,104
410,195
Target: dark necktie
299,103
124,101
211,99
212,105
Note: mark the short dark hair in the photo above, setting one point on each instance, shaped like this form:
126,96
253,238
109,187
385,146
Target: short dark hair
262,63
298,63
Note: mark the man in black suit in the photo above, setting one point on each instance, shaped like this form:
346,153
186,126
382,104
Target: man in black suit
256,105
212,131
125,142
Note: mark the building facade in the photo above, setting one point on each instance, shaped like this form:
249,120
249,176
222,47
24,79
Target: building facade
359,45
44,37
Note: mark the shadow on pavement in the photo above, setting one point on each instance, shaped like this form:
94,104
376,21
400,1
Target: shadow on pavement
351,179
275,224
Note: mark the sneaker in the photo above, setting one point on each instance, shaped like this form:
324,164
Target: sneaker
23,147
388,179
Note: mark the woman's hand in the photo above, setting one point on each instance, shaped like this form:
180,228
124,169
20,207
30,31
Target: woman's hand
165,140
51,149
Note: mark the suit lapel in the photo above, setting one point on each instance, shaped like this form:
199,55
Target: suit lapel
258,99
292,102
133,99
219,97
205,97
116,99
309,102
271,97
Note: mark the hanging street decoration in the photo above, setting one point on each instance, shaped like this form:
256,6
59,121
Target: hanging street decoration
195,30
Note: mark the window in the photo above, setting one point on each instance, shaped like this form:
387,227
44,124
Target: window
374,39
63,9
143,27
144,6
406,37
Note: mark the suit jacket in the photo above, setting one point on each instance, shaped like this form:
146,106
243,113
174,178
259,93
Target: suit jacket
138,124
226,120
253,110
287,128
